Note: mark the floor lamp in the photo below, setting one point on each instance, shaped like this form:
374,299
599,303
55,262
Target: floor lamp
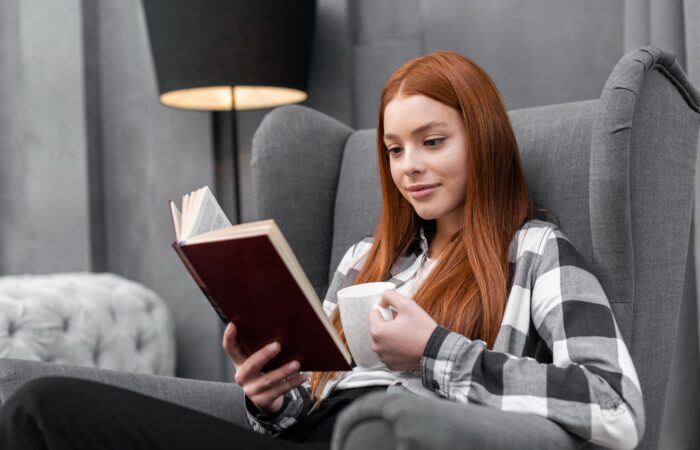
229,55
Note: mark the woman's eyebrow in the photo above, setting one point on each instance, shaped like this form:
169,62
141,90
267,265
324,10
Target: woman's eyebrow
418,130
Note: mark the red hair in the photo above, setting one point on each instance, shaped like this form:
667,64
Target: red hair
466,291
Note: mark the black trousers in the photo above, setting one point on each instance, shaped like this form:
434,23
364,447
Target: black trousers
69,413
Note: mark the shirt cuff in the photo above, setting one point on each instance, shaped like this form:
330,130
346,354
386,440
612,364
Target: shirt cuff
262,416
292,409
438,359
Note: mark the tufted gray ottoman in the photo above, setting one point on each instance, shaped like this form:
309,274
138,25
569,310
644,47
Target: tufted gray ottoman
87,319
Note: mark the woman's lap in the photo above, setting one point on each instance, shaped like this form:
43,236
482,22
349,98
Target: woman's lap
73,413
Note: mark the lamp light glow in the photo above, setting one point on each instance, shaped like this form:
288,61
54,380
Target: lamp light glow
225,98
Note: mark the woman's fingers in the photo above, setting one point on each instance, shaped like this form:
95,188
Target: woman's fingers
258,359
287,385
251,367
267,397
272,379
231,346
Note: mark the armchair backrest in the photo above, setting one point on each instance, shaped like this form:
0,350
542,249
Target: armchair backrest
616,173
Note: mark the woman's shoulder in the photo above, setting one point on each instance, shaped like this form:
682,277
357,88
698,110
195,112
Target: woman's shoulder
537,223
536,229
531,238
543,239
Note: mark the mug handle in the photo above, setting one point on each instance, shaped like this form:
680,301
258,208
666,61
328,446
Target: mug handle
387,313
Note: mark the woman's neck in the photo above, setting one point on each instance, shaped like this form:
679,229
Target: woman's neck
443,233
436,245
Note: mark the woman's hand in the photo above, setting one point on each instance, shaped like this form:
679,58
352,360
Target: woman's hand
400,342
265,390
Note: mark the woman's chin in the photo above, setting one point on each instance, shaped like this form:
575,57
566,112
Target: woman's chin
425,215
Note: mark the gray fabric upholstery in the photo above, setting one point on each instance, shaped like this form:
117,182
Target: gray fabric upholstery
295,167
223,400
359,197
407,421
682,409
661,166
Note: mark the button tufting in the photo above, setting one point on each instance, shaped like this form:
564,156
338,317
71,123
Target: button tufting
86,308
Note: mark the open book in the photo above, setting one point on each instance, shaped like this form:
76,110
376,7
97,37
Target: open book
251,277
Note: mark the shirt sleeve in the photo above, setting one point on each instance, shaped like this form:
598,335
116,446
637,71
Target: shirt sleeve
590,388
297,402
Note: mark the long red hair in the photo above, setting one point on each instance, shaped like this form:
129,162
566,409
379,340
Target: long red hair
466,291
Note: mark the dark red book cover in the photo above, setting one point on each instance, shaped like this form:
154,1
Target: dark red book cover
247,282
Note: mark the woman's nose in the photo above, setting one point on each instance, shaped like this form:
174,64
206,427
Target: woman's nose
413,161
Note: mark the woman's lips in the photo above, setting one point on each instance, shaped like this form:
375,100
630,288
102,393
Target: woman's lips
423,192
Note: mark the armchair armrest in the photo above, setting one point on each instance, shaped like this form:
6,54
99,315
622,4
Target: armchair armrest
223,400
408,421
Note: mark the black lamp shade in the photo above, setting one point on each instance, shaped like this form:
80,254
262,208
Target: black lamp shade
231,54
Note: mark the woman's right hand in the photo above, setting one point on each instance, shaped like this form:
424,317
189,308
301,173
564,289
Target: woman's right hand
266,390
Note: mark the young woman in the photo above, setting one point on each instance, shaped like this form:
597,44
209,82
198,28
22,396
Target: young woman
493,306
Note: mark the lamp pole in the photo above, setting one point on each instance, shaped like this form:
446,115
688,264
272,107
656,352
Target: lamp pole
227,179
226,168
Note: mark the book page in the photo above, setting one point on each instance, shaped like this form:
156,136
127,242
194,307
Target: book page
209,215
185,215
176,217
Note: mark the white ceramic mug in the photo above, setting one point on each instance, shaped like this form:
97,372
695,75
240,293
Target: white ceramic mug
355,304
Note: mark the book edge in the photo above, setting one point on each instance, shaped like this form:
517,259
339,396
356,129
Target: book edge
277,239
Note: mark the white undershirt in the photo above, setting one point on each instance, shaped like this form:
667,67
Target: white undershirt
358,377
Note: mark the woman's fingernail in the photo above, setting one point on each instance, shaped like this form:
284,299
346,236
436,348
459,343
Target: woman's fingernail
273,347
294,365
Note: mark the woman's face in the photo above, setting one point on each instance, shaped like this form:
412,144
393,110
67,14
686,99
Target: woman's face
427,145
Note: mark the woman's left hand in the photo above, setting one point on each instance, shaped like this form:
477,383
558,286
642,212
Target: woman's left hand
400,343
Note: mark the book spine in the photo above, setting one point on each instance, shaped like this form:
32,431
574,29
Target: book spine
222,315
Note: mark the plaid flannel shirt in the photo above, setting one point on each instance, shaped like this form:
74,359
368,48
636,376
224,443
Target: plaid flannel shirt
558,354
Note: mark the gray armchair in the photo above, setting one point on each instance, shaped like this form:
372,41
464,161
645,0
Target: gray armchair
618,175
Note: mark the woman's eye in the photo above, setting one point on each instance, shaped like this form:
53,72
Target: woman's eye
391,150
433,142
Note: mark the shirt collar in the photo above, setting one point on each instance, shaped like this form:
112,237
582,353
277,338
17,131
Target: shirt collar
423,242
403,263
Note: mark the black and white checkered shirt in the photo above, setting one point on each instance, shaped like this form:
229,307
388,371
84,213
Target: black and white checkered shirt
558,354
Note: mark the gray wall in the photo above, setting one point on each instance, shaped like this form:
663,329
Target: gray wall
151,154
538,52
43,184
140,154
